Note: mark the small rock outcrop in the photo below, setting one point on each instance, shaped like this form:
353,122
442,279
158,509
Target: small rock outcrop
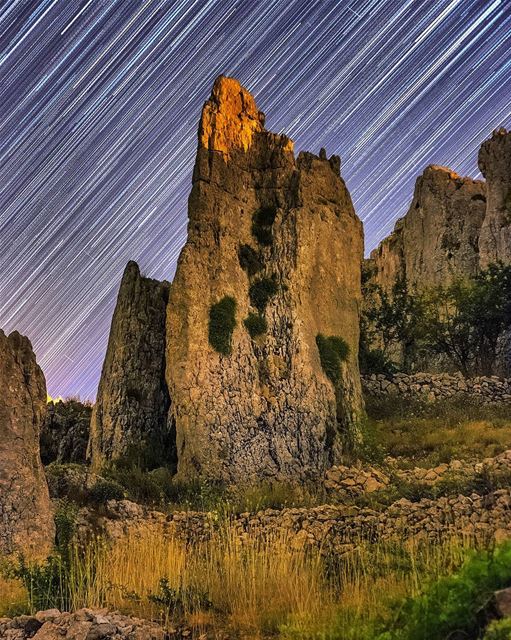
495,165
84,624
65,432
130,417
263,314
437,240
26,521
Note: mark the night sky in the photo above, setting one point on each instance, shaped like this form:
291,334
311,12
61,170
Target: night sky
99,106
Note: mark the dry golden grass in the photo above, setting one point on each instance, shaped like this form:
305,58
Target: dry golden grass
13,597
257,587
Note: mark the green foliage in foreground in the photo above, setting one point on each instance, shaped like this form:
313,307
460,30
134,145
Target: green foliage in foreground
222,321
332,351
459,605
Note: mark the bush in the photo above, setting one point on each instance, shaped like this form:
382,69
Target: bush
65,525
332,351
262,222
261,291
179,600
249,260
256,325
222,321
457,606
105,490
499,630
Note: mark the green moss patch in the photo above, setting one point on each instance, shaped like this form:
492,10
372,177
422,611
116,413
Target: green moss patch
249,260
262,222
261,291
332,351
222,321
256,324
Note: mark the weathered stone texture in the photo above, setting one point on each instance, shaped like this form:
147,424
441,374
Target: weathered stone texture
438,238
26,521
495,165
65,432
131,411
267,409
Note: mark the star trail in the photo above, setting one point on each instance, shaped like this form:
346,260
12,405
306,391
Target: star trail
100,101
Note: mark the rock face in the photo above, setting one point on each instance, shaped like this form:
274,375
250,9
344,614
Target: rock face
65,432
495,165
26,521
275,241
130,417
438,238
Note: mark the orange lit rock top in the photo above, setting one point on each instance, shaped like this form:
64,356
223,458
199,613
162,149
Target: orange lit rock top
230,118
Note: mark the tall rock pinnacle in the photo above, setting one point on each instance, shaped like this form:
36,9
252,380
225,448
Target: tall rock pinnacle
263,314
131,410
26,520
495,165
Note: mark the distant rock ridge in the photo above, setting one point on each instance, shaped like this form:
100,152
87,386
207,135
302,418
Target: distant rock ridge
438,237
26,520
130,416
455,226
262,327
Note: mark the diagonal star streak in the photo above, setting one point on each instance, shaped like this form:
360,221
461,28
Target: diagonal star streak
100,101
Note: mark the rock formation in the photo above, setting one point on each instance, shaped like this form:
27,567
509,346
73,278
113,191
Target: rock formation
65,432
495,165
437,239
26,521
263,314
132,404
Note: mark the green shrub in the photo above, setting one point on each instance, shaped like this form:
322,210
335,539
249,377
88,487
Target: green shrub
256,324
332,351
261,291
222,321
456,606
47,584
177,601
65,525
499,630
249,260
262,222
105,490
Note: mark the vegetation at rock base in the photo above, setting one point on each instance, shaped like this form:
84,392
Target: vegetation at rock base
332,351
262,222
261,291
256,324
249,260
222,321
461,322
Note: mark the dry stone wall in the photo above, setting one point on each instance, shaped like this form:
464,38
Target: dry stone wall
440,386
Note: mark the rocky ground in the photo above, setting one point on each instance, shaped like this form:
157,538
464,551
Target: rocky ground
85,624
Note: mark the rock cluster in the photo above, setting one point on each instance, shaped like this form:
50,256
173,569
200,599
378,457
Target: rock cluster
439,386
276,241
262,319
26,522
65,432
350,482
130,416
84,624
